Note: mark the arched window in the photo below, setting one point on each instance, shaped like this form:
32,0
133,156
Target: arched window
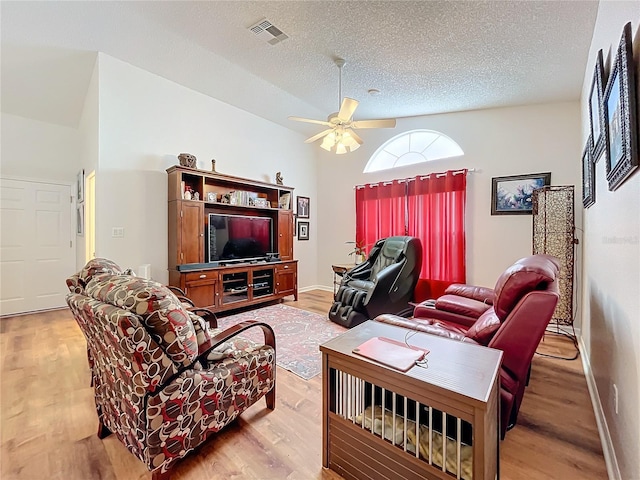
409,148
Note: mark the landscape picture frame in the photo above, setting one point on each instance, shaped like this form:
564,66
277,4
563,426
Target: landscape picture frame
588,175
620,114
303,230
513,195
596,110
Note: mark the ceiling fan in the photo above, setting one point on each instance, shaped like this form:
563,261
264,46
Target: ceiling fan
340,137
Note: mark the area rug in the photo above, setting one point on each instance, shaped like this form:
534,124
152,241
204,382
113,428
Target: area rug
298,335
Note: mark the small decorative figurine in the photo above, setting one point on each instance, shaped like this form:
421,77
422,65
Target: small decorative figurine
196,196
187,160
279,178
213,164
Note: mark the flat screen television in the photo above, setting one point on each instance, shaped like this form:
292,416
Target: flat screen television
238,237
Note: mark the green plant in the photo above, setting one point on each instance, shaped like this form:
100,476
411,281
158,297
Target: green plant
358,248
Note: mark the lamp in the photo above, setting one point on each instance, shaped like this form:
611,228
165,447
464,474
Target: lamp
339,141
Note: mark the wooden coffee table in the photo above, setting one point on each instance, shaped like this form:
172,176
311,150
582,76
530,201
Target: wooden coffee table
460,384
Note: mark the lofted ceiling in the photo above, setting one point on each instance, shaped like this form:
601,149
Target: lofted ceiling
424,57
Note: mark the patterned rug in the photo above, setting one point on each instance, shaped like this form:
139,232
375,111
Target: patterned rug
298,335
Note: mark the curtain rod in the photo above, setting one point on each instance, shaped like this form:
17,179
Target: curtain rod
412,179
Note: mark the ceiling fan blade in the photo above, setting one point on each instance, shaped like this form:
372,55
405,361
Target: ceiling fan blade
355,136
347,108
382,123
308,120
319,135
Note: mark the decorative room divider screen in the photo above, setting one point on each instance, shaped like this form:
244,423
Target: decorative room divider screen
554,234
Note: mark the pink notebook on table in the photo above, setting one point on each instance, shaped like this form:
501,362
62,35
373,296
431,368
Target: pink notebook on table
391,353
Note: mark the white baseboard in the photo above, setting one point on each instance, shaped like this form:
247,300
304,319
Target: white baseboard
605,437
316,287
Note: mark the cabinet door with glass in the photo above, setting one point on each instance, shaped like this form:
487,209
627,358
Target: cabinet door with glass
262,282
235,287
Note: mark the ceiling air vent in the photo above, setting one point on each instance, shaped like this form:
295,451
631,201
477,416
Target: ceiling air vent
268,32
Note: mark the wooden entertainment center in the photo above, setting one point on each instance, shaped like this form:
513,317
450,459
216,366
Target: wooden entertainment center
226,285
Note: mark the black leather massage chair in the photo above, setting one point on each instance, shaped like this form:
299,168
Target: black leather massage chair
384,283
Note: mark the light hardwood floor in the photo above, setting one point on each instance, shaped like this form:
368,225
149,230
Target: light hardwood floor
48,419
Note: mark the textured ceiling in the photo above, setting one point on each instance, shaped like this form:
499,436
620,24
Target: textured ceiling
425,57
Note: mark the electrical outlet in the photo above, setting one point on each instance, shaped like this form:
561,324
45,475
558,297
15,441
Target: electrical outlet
615,398
117,232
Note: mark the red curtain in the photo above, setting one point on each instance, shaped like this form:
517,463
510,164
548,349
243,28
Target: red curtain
380,212
436,211
431,208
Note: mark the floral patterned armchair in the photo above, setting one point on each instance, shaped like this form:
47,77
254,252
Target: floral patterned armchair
164,379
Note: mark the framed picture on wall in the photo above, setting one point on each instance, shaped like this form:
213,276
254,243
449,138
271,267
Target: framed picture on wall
303,230
80,219
588,177
513,195
302,207
80,187
620,114
596,109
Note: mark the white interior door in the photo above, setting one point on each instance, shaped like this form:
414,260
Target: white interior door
36,250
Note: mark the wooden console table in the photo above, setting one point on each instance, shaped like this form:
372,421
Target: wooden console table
456,396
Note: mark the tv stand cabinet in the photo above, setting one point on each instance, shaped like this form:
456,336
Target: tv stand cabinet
240,285
194,194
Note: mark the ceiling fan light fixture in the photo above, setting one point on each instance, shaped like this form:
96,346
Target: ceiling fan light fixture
328,141
340,149
339,142
339,137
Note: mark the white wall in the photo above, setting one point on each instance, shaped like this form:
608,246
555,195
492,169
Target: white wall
89,150
611,277
145,122
38,150
496,142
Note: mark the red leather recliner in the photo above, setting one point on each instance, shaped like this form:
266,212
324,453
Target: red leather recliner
524,299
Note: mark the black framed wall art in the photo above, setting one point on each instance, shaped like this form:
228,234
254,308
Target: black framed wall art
80,187
513,195
588,175
620,114
302,207
596,110
303,230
